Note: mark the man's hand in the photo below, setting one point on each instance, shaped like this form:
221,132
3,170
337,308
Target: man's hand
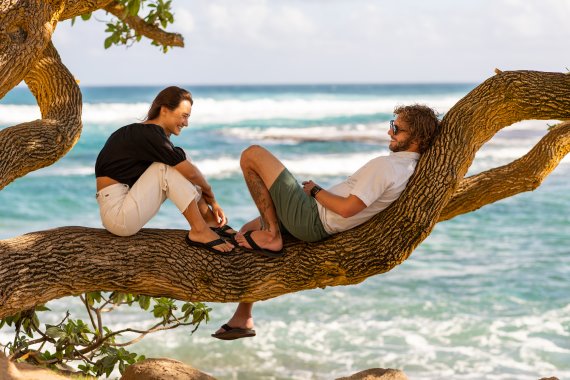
343,206
308,186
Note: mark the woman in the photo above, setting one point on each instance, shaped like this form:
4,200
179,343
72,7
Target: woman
138,168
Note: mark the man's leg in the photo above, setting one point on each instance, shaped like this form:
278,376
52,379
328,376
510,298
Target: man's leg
260,170
242,318
252,225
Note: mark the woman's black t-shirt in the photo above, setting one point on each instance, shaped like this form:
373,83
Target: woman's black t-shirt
130,150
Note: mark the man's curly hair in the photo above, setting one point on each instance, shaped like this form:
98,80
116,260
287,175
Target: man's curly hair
422,121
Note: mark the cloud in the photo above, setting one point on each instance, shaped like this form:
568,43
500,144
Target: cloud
269,41
183,21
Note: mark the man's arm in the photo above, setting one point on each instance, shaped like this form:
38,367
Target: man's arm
343,206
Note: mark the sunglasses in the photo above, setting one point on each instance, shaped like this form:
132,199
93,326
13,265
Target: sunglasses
395,129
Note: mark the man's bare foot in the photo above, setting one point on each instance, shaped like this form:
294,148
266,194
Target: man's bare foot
263,239
206,236
252,225
238,322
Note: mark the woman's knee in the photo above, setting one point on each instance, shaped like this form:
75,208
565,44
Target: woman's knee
122,230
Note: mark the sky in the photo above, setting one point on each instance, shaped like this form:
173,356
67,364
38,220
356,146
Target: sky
329,41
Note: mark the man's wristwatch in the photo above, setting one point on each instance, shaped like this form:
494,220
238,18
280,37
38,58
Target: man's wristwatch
315,190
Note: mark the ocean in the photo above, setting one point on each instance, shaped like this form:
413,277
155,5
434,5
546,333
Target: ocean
485,296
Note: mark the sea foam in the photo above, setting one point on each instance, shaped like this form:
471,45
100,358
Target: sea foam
215,111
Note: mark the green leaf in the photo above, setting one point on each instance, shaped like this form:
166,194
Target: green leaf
86,16
42,308
144,302
108,42
55,332
118,298
133,7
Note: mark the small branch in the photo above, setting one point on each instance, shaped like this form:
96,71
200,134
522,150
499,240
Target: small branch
89,312
142,28
99,323
145,333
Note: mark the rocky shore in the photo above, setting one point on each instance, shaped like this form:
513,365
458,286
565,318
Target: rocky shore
166,369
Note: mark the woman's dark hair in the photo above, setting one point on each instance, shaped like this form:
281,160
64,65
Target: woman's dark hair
170,97
422,121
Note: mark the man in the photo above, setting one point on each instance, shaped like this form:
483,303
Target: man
311,213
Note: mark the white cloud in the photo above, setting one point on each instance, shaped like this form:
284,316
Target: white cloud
271,41
184,21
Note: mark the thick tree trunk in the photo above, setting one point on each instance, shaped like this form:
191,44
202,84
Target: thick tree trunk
37,267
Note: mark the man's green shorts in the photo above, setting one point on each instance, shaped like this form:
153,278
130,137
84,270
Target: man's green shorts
296,211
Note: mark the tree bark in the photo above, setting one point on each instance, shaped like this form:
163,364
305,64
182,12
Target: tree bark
74,8
41,266
524,174
26,27
40,143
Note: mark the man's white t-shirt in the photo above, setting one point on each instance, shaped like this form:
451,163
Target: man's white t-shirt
378,183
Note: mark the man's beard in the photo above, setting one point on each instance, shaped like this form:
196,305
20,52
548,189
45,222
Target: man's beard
400,146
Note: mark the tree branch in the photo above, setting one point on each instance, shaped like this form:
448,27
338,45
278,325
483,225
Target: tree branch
142,28
41,266
33,145
524,174
74,8
26,28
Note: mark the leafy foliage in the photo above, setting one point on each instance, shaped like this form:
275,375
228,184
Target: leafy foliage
157,13
93,344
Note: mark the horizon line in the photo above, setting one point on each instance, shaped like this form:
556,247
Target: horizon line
268,84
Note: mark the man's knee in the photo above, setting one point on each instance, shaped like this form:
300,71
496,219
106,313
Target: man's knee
250,154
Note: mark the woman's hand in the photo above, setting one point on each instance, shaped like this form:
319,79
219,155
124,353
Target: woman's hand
219,214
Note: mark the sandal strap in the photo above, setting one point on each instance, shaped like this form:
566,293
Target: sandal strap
251,242
214,243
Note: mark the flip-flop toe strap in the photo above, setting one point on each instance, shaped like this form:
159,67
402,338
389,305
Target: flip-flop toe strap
214,243
251,242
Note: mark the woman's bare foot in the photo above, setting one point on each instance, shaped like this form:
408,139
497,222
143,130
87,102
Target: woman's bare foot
206,236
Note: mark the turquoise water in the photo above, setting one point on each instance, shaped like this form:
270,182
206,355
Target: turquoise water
486,296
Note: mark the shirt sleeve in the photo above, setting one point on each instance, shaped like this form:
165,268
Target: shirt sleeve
370,181
156,147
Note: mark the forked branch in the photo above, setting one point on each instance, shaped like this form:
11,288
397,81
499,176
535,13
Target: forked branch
524,174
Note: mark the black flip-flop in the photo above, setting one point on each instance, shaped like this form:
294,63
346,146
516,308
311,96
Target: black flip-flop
223,231
257,249
209,245
231,333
